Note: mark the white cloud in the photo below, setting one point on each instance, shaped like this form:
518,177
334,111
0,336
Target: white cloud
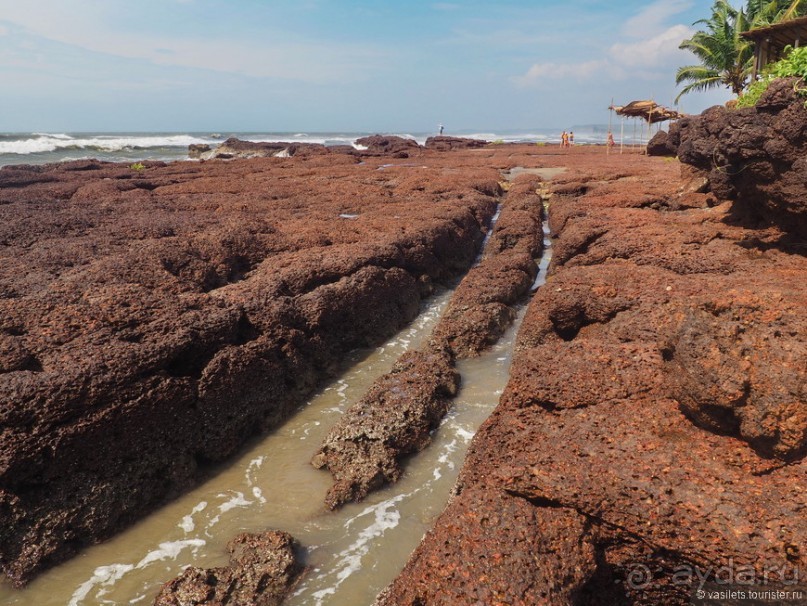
650,58
651,20
4,30
542,72
657,51
274,57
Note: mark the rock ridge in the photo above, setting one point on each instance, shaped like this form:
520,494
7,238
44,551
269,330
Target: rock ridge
396,417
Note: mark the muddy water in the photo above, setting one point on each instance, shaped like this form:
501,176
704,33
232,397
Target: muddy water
352,554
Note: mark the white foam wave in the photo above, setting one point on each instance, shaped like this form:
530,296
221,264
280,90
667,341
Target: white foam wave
106,576
103,575
108,143
236,500
385,517
464,434
54,135
169,550
321,139
187,524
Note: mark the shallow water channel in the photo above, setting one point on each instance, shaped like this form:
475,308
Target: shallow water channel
352,554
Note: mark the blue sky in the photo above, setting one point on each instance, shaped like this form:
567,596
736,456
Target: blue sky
264,65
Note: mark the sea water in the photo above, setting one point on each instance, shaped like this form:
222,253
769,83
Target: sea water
43,148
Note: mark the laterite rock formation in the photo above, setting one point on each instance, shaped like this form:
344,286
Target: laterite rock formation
152,320
653,428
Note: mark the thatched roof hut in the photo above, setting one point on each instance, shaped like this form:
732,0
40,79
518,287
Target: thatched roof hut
650,111
770,41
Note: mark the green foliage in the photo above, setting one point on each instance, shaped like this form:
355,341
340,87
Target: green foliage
138,166
793,64
498,142
767,12
753,92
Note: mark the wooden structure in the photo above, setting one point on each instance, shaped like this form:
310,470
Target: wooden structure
648,111
770,41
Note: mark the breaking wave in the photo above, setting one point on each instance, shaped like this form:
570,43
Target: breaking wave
41,143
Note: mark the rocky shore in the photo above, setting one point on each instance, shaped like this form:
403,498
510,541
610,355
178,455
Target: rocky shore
654,426
653,431
154,317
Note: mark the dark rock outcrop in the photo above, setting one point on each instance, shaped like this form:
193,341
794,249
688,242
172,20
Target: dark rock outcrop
755,156
659,146
197,151
236,148
263,570
443,143
398,147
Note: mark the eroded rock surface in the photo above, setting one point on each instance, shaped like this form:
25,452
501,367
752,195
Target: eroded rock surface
153,320
263,569
653,427
483,306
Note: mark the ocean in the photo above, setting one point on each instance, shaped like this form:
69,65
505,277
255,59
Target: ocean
43,148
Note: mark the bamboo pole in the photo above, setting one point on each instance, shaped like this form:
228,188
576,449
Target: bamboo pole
622,136
610,118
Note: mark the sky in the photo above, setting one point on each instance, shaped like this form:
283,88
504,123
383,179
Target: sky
327,65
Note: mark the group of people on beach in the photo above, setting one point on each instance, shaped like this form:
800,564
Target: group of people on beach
567,139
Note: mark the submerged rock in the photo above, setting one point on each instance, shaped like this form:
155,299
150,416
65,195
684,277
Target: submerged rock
263,570
483,305
395,418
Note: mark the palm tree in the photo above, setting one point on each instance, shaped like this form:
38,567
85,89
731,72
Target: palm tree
726,58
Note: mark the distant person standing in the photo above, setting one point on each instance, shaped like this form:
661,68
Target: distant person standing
441,130
564,139
610,141
571,138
